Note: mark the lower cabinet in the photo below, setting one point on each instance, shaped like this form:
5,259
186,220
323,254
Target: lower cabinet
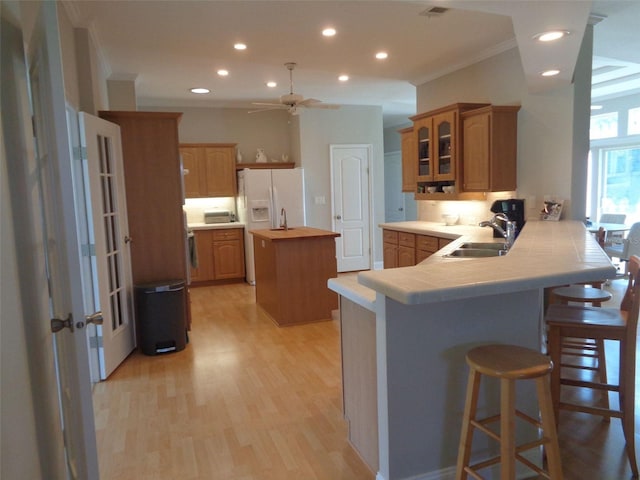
220,255
402,249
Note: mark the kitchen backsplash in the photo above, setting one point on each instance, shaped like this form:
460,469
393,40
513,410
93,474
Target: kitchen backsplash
469,212
195,207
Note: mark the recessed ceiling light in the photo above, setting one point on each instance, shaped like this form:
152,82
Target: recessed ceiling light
272,84
551,35
329,32
550,73
381,55
240,46
200,90
343,78
596,107
223,73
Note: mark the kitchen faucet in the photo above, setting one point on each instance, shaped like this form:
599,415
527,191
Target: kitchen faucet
510,233
283,219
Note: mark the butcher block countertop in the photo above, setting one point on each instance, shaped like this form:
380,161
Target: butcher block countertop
294,233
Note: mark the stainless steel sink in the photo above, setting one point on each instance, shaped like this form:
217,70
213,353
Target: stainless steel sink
476,252
485,246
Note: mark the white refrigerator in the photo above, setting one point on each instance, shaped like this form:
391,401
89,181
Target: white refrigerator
262,194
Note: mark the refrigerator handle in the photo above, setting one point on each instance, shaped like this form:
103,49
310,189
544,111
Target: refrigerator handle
273,203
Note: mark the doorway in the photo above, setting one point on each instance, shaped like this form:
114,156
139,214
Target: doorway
350,209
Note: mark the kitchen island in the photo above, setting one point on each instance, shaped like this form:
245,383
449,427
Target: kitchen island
420,321
292,270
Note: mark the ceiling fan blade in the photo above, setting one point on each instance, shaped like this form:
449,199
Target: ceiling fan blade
309,101
266,104
265,109
329,106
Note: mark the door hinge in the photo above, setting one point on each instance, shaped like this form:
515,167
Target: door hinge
88,250
95,341
79,152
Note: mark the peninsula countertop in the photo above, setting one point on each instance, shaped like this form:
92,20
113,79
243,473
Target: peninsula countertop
293,233
214,226
545,254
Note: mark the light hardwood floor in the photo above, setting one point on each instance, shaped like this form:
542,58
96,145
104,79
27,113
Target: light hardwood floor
248,400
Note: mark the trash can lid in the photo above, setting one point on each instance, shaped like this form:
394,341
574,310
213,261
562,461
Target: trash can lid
162,286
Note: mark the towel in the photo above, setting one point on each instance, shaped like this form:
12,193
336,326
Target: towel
193,251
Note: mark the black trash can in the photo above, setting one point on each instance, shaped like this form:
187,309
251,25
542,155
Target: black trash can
160,314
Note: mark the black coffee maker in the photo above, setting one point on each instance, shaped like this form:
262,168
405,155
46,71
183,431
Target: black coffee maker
513,208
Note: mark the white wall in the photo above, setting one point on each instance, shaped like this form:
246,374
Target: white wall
268,130
350,125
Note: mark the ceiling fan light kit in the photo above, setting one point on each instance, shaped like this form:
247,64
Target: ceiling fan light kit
292,101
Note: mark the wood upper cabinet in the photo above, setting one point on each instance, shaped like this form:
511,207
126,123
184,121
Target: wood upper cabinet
409,161
444,146
212,169
489,149
154,194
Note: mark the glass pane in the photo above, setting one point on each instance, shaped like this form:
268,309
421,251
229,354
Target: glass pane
621,179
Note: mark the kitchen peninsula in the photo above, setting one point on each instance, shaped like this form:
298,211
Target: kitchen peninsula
420,321
292,270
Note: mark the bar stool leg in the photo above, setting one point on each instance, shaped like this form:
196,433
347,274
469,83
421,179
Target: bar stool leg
627,405
552,451
602,374
466,436
507,429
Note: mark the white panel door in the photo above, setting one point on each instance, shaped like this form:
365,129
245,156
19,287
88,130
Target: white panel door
102,152
350,205
62,250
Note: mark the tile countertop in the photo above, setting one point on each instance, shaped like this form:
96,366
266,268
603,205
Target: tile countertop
544,255
214,226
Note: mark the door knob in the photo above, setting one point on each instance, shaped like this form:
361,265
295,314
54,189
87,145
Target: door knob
58,324
338,217
95,318
128,239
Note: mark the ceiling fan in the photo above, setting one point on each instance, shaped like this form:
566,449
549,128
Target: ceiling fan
292,101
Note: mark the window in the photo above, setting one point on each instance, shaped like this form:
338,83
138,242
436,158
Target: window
621,180
604,126
633,127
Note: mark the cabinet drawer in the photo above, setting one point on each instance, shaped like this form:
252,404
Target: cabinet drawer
227,234
390,236
406,239
426,242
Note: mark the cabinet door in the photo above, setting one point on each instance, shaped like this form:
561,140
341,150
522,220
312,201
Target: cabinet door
204,244
390,255
444,149
228,259
475,166
406,256
423,145
409,161
191,164
220,172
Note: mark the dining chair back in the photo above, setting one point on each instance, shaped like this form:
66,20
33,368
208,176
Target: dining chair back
612,218
630,246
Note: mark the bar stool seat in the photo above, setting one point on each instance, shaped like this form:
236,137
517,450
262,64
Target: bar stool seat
578,293
509,363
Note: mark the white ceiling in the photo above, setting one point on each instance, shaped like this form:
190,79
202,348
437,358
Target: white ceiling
171,46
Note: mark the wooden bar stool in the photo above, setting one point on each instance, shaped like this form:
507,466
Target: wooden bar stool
588,347
620,325
508,363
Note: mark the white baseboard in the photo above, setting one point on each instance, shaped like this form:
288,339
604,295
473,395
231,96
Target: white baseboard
378,265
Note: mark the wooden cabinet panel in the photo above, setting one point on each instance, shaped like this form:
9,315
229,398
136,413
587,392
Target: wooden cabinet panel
444,146
154,194
407,239
390,255
390,236
489,149
409,160
212,169
427,242
219,172
406,256
442,242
